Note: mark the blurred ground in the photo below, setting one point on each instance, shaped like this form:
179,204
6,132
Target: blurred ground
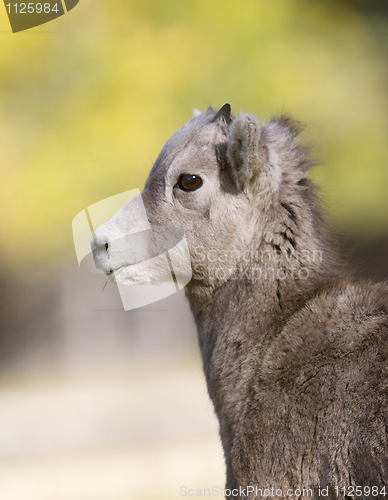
111,435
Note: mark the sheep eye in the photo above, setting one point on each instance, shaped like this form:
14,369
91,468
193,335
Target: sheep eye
188,182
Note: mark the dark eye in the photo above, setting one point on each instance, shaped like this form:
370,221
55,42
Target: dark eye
188,182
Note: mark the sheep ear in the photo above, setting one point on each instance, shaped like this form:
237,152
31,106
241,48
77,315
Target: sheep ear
243,152
223,114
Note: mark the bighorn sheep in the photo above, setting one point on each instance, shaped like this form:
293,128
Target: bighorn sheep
294,353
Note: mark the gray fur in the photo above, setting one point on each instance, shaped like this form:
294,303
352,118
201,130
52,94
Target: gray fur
294,353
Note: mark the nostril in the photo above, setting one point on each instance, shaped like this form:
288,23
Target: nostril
106,246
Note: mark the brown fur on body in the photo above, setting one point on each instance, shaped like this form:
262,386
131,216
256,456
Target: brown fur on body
294,354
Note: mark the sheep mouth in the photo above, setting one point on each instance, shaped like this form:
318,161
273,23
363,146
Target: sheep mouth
111,275
114,272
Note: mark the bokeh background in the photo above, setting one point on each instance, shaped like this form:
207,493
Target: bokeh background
100,404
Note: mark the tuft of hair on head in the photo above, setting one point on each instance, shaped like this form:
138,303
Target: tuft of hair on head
281,136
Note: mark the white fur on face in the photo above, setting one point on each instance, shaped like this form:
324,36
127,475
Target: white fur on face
139,260
160,269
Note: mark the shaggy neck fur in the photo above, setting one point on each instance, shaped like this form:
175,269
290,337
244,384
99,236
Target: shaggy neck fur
238,320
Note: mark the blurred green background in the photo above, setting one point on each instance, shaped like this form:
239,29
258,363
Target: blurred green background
86,103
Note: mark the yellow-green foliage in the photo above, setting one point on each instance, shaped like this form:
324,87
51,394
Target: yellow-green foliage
85,110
